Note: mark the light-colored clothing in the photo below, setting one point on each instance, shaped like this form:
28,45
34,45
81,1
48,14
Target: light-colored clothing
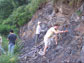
38,29
47,41
49,34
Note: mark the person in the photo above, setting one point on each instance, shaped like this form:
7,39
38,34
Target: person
38,31
50,33
2,50
12,38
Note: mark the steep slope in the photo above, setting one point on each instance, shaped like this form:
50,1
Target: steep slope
70,47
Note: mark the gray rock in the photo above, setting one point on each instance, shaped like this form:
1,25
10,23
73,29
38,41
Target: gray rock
69,44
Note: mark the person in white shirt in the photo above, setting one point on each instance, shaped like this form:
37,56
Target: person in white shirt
2,50
50,33
38,31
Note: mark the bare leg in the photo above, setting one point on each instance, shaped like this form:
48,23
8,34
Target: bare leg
56,39
45,49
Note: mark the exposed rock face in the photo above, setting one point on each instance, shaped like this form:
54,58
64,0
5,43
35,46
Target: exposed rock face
70,48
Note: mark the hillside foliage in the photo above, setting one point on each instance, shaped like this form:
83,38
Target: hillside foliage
16,13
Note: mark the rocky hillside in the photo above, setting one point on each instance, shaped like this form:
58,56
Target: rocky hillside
70,47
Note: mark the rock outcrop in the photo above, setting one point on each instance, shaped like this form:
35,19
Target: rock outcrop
70,47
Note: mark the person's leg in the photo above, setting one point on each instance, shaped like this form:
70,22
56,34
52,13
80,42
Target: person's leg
46,45
36,38
12,49
9,48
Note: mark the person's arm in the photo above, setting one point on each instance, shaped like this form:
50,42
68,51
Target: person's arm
16,38
8,37
63,31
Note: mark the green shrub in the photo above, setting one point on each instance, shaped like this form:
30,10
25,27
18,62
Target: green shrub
18,47
4,29
5,9
5,43
23,14
18,18
8,59
78,12
8,6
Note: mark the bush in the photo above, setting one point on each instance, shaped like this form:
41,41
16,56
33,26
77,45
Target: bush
4,29
5,9
8,59
18,47
23,14
5,43
78,12
18,18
